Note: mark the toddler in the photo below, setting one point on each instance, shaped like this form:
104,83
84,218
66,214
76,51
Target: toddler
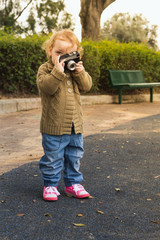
61,120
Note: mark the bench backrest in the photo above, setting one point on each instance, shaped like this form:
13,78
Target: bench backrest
117,77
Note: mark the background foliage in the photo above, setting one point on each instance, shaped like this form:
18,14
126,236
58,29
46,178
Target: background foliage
41,16
20,59
124,28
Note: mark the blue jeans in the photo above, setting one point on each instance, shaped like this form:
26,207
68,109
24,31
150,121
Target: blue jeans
56,149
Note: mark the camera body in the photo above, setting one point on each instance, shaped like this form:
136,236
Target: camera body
70,60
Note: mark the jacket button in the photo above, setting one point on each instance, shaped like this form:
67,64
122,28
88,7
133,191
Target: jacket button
69,90
68,82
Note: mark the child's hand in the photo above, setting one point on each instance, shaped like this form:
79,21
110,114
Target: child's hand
79,67
59,65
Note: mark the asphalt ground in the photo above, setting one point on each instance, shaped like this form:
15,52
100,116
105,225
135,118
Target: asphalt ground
121,171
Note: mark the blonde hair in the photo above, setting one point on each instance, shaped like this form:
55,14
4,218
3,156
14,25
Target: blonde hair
64,35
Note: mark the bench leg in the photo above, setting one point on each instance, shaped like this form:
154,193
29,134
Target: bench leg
120,96
151,94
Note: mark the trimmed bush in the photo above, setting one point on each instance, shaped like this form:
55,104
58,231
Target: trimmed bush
92,62
20,59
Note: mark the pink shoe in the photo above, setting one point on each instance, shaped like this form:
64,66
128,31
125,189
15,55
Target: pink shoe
77,191
50,193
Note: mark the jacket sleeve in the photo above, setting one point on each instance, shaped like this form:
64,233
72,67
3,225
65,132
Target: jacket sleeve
48,81
83,80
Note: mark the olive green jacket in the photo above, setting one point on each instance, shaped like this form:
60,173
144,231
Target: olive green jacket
60,99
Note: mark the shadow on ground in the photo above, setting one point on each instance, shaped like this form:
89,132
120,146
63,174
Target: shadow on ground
121,171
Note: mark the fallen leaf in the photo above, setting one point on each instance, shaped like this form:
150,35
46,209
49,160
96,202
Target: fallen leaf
91,236
157,176
20,214
117,189
34,200
79,224
47,215
97,151
155,222
20,123
91,197
79,215
68,195
98,211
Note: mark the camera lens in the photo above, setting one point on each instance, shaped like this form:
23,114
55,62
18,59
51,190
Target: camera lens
71,65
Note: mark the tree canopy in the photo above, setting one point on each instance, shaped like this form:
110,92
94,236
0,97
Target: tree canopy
125,28
43,16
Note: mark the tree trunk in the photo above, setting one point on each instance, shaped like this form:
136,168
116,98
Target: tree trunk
90,16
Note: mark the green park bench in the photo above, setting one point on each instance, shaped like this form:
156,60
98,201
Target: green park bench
123,79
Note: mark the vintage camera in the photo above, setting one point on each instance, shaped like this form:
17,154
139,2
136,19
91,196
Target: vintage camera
70,60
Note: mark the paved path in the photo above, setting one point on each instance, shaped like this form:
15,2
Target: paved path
121,170
20,140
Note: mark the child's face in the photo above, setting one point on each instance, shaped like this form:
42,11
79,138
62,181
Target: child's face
61,47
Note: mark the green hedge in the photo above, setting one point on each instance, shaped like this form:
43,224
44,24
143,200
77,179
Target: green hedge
20,59
19,62
112,55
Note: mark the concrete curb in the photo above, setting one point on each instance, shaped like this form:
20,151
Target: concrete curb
24,104
18,104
